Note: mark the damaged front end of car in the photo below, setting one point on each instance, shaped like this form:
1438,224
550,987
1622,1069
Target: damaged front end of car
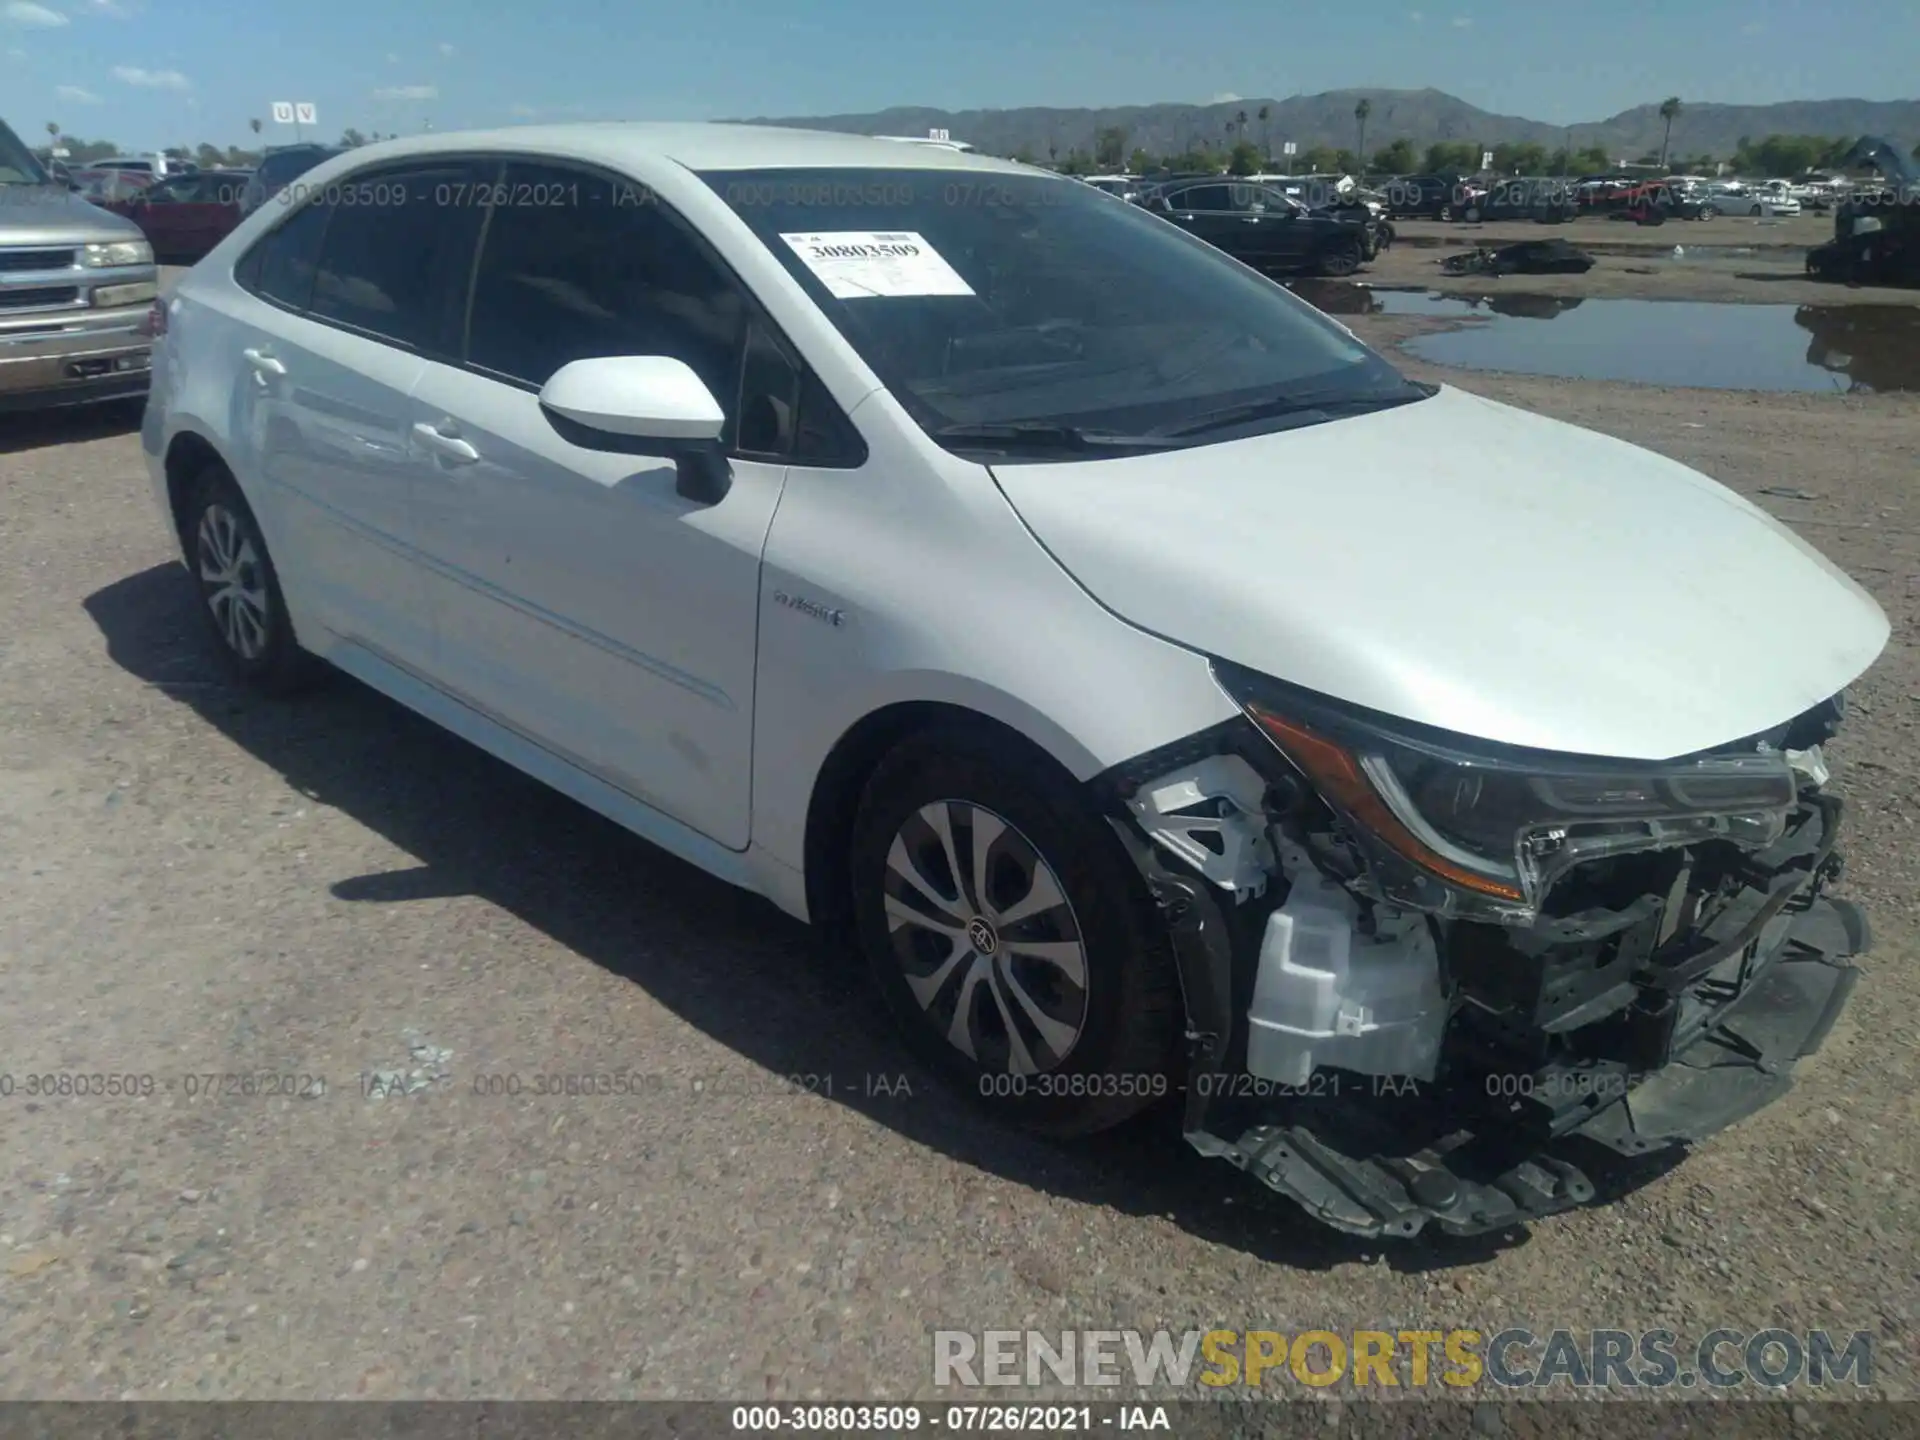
1431,980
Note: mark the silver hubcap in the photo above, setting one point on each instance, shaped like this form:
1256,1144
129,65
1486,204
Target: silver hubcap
987,939
232,580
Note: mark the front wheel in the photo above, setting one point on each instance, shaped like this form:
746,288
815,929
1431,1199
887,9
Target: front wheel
1757,211
1709,212
1341,260
240,594
1446,212
1010,936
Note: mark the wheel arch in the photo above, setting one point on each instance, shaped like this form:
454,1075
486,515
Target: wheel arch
188,454
843,775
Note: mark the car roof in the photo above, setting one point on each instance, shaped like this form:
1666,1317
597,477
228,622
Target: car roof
698,146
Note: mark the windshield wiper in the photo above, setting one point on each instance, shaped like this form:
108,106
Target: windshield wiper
1278,406
1044,435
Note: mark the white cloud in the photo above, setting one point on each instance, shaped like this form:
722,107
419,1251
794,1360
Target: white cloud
1752,27
392,59
1462,22
523,110
407,92
1225,97
116,9
76,94
151,79
446,47
1415,16
34,17
14,52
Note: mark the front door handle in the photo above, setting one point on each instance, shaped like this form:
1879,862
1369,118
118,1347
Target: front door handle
263,363
448,447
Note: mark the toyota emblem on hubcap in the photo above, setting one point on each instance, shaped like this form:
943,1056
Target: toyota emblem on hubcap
980,935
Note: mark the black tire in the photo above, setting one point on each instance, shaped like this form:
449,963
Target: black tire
1473,215
1124,1017
1446,212
267,656
1341,259
1709,212
1758,211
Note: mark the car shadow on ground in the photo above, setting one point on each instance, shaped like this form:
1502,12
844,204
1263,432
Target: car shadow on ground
482,828
69,425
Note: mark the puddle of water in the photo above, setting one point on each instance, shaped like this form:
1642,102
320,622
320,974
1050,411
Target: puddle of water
1672,342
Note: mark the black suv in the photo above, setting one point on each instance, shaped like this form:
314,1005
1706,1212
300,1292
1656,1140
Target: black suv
1429,197
1261,227
1547,201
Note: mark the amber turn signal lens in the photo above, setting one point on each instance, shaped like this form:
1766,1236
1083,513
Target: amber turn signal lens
1343,784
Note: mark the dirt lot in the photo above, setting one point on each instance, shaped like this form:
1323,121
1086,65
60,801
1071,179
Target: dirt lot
200,883
1729,259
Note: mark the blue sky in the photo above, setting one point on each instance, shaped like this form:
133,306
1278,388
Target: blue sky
159,72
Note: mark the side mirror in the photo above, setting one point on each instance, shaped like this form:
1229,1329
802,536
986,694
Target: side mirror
643,405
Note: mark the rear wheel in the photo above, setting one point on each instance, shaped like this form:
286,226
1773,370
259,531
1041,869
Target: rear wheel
1473,214
1709,212
1758,210
239,589
1341,259
1446,212
1011,937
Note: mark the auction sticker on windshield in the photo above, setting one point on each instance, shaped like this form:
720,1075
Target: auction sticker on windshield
854,263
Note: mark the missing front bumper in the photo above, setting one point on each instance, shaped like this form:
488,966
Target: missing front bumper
1389,1161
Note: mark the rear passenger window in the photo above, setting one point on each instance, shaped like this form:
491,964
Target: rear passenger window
396,253
577,266
280,266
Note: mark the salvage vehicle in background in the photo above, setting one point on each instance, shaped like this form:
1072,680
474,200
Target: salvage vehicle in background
75,286
1542,200
1430,829
185,216
1263,228
280,168
1876,228
1430,197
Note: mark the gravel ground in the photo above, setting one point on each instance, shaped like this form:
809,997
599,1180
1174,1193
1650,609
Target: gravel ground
200,883
1733,260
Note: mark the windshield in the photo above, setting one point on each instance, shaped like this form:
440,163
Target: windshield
17,165
994,298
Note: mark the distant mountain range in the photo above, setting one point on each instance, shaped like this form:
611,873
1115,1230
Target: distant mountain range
1422,116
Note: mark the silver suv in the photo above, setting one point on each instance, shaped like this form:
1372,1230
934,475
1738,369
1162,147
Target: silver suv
76,285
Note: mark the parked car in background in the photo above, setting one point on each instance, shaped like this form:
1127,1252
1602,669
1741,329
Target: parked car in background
280,168
1738,197
185,216
1381,731
1429,197
1264,228
1126,187
110,187
1544,200
76,284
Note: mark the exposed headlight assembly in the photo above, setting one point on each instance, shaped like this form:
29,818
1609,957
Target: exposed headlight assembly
1478,830
116,253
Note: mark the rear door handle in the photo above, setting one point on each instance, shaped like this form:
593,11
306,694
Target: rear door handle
448,447
263,363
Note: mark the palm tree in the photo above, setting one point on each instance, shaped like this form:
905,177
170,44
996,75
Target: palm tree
1360,114
53,130
1669,110
1266,133
1241,121
254,125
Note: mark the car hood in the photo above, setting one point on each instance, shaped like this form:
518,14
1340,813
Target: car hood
1469,566
36,213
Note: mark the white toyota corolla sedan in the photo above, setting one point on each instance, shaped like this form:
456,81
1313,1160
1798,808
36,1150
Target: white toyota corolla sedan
1164,694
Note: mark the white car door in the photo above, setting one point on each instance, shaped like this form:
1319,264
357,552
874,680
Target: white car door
580,597
365,286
